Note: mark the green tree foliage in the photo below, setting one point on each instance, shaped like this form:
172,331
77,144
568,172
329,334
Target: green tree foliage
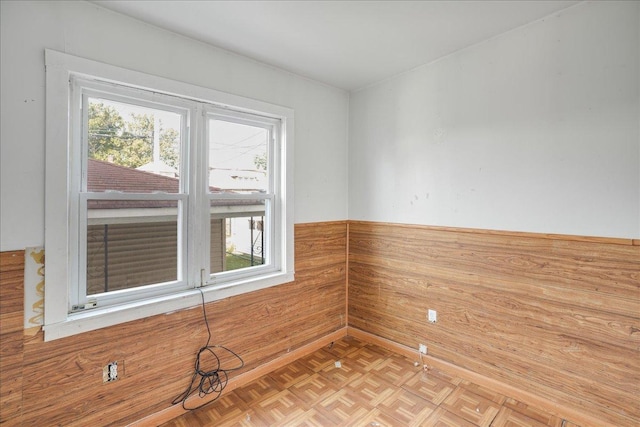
128,142
105,131
260,160
169,147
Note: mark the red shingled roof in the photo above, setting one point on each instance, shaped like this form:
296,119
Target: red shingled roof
104,176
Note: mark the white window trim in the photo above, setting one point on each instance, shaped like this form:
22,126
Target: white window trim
86,88
58,322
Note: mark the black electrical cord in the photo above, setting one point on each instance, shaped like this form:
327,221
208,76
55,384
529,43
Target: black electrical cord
211,381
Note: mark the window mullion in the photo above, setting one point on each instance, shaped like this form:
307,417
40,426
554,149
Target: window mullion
198,229
184,208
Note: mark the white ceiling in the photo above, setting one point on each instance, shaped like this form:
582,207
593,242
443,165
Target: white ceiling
347,44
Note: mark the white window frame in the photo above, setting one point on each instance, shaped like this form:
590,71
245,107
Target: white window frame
64,74
231,278
81,89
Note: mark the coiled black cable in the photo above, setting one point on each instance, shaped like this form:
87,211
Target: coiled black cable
208,381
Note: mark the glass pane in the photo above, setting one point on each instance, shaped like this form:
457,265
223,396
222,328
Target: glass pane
237,157
131,148
131,244
238,234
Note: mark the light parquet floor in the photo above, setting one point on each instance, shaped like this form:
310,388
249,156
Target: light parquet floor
368,387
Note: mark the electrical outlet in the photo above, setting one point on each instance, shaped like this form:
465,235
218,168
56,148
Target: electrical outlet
422,348
432,316
110,372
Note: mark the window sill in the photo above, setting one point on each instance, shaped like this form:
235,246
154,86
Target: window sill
98,318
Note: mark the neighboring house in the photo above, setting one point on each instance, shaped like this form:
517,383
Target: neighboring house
159,167
131,243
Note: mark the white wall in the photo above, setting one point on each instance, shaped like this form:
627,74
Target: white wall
86,30
534,130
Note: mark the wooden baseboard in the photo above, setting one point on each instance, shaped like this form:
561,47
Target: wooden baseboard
245,378
555,408
558,409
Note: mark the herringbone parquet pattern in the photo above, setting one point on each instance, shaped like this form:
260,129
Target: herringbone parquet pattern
368,387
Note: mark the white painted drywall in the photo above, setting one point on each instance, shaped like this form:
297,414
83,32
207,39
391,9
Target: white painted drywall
534,130
86,30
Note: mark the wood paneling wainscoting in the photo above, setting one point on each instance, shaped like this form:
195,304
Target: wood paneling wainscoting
11,335
60,382
556,316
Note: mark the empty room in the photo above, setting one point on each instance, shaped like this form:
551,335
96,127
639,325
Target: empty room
320,213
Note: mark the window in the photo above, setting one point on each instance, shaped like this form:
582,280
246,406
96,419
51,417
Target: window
167,187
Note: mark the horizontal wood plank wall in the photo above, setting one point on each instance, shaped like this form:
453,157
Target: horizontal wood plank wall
554,315
11,332
62,379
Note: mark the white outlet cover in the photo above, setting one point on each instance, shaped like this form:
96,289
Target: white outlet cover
113,371
110,372
432,315
423,349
